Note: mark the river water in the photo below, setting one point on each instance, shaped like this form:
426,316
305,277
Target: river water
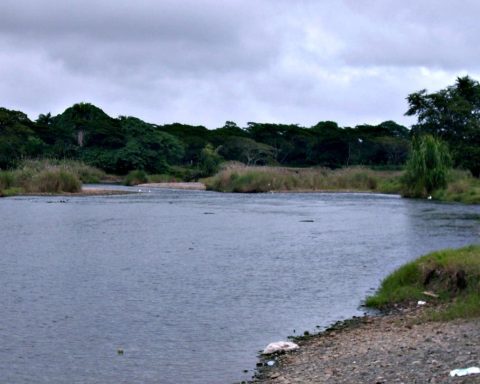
191,285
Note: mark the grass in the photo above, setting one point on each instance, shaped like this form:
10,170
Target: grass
47,176
85,173
265,179
462,187
453,275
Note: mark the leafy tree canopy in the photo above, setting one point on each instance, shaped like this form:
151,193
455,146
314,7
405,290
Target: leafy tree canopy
452,114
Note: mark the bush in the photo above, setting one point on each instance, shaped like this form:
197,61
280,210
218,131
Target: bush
136,177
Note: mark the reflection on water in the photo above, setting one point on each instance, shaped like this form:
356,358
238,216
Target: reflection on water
192,284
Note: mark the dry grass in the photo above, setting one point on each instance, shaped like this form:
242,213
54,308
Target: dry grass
238,178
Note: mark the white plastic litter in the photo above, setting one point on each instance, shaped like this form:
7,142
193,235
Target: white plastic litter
271,363
465,371
280,346
421,302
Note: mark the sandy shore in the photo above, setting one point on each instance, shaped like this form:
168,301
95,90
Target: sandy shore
183,185
385,349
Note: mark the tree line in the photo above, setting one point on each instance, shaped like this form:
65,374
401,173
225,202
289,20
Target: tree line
118,145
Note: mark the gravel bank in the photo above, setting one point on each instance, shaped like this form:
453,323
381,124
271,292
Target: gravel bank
386,349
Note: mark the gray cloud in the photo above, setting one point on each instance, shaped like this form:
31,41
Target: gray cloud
207,61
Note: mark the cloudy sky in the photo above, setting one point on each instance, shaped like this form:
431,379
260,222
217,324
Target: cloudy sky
208,61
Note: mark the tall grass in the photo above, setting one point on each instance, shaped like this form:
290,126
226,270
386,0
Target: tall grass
453,275
84,172
462,187
264,179
47,176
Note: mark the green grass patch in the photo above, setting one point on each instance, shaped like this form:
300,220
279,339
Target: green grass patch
453,275
265,179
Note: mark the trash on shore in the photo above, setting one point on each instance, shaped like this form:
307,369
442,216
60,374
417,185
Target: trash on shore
271,363
279,346
464,371
421,302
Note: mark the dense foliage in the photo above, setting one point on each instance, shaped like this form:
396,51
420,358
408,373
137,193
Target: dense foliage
119,145
452,114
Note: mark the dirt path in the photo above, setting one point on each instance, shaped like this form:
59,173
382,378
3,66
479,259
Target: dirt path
387,349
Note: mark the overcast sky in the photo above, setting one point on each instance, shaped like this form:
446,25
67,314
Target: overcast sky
208,61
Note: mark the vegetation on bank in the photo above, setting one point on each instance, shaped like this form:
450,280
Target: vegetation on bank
461,187
450,278
447,134
47,176
264,179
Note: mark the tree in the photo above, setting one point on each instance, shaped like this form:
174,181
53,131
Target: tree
247,151
452,114
17,139
210,161
427,168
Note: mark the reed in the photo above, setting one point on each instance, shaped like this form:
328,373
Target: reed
47,176
239,178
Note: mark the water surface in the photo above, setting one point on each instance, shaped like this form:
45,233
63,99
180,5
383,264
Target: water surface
192,284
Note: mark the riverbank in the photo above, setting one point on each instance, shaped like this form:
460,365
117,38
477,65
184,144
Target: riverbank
430,326
394,348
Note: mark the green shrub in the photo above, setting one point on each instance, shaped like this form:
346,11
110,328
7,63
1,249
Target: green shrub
136,177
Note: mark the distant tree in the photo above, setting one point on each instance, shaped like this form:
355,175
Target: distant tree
247,151
427,167
147,147
452,114
17,138
194,139
210,161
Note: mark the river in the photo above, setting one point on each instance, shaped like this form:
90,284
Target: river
190,284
